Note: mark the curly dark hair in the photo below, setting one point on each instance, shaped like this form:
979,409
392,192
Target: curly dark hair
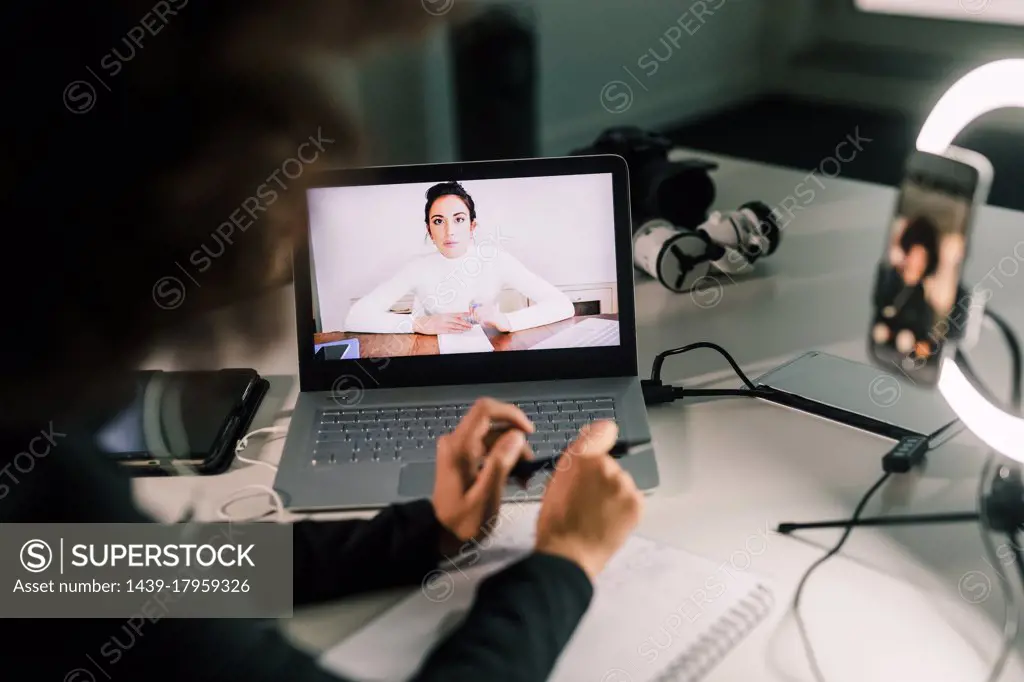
445,189
922,231
152,174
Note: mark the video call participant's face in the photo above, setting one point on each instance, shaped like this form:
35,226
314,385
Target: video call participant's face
915,264
450,227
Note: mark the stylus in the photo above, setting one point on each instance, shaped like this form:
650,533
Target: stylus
525,468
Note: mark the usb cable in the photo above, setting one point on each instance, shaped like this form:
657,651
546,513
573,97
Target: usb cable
656,392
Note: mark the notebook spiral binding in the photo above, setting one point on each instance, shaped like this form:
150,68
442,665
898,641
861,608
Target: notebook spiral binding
695,663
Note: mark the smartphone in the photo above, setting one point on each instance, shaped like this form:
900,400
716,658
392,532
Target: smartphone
182,422
918,279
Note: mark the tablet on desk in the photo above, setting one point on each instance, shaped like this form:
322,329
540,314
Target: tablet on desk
345,349
855,394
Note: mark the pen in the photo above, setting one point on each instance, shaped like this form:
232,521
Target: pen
525,468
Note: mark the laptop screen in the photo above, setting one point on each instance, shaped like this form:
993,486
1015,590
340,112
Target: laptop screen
457,267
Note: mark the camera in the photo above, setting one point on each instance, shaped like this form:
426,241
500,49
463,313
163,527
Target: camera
680,192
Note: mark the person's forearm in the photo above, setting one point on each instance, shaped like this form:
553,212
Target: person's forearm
372,314
545,312
334,559
521,620
552,305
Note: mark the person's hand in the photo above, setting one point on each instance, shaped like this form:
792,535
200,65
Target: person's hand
491,316
590,505
951,250
896,256
470,480
443,323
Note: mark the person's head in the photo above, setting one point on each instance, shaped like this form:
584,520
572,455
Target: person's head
153,174
451,218
920,244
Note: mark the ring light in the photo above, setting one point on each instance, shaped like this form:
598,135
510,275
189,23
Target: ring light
994,86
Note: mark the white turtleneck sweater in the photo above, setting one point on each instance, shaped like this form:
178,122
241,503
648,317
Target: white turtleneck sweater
449,285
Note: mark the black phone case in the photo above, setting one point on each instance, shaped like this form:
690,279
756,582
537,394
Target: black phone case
220,459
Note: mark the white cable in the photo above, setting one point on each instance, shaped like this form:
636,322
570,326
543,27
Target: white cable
255,489
244,443
259,489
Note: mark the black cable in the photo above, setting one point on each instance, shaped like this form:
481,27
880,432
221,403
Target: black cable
1011,617
1015,354
1017,557
680,392
951,517
939,431
659,360
831,553
1011,620
1015,363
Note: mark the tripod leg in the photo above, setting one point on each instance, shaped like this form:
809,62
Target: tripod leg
913,519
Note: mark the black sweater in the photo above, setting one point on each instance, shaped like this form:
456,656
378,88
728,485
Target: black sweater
522,617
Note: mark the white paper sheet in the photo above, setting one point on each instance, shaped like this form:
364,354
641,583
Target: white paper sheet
472,341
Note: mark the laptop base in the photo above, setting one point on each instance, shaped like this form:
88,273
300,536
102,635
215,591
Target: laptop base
310,484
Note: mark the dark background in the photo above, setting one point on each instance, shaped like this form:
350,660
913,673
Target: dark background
779,81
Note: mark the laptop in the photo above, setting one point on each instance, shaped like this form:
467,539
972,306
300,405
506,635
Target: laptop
421,289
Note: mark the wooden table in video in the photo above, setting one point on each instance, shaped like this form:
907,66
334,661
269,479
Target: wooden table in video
391,345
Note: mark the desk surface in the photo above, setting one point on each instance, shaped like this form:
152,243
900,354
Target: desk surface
394,345
909,604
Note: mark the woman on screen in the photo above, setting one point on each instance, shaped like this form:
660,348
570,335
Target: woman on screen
908,320
458,285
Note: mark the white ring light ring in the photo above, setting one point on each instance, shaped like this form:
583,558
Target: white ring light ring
994,86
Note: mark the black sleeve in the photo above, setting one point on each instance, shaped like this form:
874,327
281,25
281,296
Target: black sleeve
334,559
521,620
526,613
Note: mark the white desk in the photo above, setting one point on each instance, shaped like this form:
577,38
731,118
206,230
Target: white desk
890,606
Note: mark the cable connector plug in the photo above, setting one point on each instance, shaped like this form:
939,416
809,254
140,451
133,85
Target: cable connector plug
906,455
657,393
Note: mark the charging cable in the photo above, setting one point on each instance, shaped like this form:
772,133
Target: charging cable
656,392
256,489
244,443
252,491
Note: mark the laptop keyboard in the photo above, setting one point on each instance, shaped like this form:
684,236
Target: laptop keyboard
347,436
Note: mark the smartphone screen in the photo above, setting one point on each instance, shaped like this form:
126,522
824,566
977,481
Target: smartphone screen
918,279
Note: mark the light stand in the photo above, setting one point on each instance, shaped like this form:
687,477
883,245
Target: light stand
994,86
1001,508
913,519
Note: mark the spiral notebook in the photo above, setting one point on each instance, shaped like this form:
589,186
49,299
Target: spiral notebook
659,614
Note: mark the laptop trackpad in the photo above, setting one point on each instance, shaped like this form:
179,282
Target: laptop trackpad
416,480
